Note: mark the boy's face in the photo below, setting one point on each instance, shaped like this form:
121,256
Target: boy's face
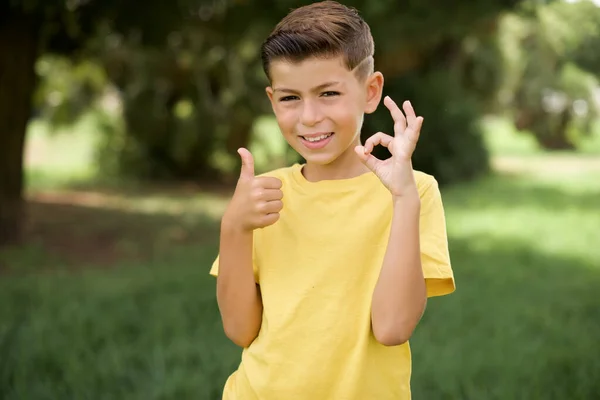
319,105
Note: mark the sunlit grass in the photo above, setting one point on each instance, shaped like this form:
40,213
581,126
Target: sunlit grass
60,156
557,217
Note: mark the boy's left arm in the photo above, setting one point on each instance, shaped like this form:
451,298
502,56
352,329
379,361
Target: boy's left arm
416,266
417,246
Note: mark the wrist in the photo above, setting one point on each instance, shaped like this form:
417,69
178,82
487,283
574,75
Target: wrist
408,200
231,226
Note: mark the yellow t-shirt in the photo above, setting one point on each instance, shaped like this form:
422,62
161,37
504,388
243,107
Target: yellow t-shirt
317,268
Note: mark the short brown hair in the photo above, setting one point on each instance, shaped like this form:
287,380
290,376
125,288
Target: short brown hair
324,29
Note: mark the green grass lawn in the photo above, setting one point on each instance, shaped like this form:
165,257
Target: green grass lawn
111,299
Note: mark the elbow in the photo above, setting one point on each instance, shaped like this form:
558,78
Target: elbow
239,334
394,330
239,337
391,336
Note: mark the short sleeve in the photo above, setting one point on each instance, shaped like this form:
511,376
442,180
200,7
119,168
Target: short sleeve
214,269
435,257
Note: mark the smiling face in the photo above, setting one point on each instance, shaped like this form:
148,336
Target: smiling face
319,105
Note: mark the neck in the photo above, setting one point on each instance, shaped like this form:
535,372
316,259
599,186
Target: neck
346,166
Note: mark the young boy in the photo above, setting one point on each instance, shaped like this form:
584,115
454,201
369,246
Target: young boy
324,268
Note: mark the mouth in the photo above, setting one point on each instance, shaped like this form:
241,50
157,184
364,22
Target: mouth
317,138
316,141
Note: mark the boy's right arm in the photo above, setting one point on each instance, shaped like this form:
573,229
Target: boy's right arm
238,294
255,204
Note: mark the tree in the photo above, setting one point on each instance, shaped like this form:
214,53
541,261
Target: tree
31,28
552,70
232,29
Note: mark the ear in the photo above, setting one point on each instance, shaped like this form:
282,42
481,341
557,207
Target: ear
269,91
374,90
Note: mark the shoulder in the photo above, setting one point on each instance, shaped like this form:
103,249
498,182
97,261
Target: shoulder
425,183
287,176
429,193
281,173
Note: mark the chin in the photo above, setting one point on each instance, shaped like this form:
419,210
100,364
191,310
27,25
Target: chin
320,159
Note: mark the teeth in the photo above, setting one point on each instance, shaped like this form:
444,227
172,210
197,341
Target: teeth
317,138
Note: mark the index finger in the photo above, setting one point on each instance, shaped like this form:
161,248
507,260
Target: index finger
269,182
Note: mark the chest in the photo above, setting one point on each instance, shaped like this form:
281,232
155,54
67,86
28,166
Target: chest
324,247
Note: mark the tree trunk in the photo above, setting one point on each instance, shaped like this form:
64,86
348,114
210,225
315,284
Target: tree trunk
19,49
557,137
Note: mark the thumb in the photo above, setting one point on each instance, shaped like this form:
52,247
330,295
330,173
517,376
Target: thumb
247,171
367,158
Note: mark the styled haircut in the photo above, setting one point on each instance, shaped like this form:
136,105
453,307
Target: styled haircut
326,29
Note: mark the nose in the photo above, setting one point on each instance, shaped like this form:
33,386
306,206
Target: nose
311,114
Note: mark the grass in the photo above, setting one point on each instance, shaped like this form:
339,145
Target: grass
111,299
524,319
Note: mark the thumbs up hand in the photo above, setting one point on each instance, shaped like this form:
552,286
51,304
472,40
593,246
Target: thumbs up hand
256,202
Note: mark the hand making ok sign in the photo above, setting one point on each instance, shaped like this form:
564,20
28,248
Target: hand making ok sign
396,172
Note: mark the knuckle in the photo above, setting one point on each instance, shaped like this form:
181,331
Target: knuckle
258,207
257,193
261,207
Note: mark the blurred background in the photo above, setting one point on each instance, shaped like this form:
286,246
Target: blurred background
119,125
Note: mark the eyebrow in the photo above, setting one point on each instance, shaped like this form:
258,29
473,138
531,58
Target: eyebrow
315,89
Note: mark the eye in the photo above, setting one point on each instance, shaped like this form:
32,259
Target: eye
330,94
288,98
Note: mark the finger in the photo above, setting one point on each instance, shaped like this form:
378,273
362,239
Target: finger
412,136
247,171
269,219
379,138
270,207
268,182
397,115
416,131
411,117
368,159
268,194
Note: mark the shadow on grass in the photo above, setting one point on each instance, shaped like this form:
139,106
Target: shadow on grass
135,188
78,230
521,325
143,332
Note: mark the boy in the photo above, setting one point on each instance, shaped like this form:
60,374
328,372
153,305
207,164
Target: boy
324,269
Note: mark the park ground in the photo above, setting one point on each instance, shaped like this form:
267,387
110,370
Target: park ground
111,298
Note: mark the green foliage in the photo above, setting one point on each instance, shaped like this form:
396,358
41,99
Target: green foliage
582,21
189,77
550,80
67,89
483,75
451,145
184,105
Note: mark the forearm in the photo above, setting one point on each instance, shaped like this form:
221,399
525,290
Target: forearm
238,295
400,294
